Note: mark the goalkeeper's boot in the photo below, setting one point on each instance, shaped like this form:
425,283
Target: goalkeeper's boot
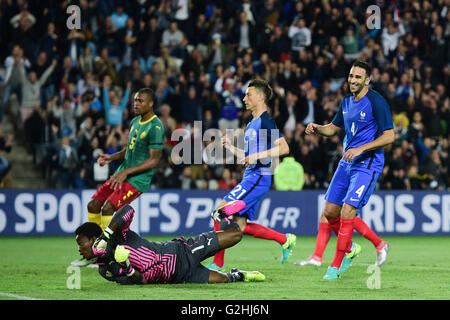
83,262
287,247
250,276
215,267
332,273
311,261
382,251
348,258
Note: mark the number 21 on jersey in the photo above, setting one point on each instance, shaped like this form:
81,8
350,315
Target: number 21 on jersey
238,192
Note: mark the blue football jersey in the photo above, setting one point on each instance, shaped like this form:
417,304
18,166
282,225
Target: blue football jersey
259,136
364,121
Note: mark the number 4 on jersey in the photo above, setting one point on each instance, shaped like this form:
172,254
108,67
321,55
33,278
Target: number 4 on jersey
353,128
360,191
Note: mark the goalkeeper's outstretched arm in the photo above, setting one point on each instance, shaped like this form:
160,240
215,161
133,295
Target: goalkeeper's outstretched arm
121,220
121,272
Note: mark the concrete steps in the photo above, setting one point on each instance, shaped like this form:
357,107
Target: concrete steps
24,173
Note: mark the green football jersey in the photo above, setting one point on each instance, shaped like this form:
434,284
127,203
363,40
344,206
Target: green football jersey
143,136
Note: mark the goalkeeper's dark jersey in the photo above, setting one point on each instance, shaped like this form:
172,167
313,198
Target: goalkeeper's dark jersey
156,261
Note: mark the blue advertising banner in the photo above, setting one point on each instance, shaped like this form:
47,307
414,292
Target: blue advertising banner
179,212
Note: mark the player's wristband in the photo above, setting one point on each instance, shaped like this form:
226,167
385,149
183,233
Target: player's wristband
107,232
131,272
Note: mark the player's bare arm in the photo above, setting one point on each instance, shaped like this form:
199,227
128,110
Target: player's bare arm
151,163
239,153
387,137
327,130
107,158
280,148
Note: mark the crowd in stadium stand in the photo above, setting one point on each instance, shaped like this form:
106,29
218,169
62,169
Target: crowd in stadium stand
75,87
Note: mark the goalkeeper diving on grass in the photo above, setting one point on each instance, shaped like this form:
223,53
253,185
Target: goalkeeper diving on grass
126,258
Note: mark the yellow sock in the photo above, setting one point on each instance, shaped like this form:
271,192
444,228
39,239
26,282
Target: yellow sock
105,221
95,217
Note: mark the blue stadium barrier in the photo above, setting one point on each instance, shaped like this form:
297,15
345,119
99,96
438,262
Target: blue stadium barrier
178,212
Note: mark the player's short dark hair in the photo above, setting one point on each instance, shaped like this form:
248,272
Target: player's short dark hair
149,92
264,87
89,230
364,65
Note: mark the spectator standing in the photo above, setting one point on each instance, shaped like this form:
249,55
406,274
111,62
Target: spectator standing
173,38
24,33
231,105
114,108
15,66
243,33
167,64
31,90
119,17
49,42
68,164
5,146
105,67
87,61
390,38
150,40
182,16
299,34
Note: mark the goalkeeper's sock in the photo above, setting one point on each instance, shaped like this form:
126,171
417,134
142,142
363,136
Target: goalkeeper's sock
105,220
95,217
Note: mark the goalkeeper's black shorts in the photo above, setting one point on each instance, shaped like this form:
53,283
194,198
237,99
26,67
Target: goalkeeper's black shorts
197,249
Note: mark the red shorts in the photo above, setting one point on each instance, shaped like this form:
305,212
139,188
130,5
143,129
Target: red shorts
118,197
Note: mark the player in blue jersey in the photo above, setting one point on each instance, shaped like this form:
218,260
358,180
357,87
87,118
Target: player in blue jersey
263,142
366,118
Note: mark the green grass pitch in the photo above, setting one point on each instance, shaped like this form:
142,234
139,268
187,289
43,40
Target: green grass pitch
417,268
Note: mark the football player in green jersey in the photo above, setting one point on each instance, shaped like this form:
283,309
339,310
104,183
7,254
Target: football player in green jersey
140,158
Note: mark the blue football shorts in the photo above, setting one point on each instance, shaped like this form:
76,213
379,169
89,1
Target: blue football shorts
250,190
352,186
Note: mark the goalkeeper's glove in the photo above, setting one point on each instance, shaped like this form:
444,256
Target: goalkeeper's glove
121,256
99,247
